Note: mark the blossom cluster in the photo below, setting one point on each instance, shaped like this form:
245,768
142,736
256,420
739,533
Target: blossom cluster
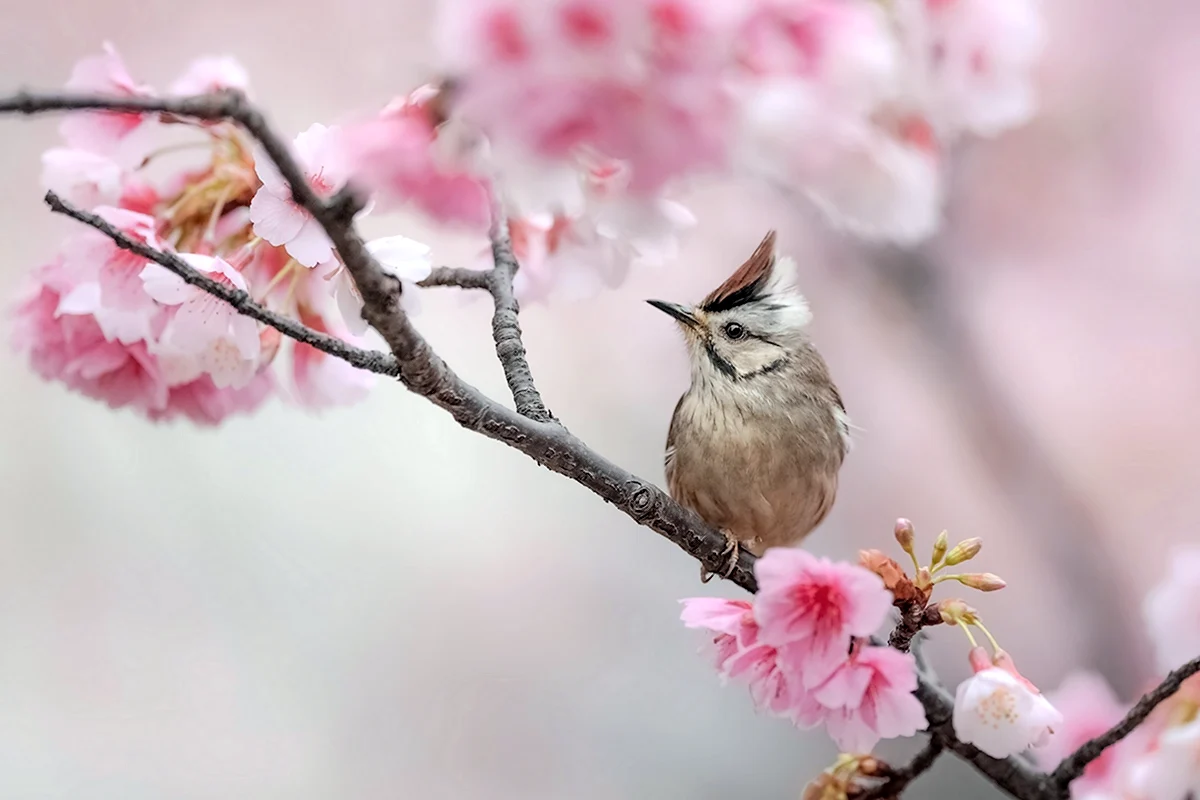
116,327
800,647
852,103
1160,760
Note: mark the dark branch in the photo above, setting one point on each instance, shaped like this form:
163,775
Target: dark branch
461,278
370,360
1074,765
506,327
899,780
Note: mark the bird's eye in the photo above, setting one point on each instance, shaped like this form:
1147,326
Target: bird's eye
734,331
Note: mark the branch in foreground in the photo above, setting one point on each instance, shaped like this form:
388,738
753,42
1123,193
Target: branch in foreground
1074,765
370,360
901,778
457,277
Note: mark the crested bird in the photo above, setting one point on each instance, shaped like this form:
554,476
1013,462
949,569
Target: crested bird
757,440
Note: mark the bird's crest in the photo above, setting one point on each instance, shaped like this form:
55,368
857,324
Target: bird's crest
748,283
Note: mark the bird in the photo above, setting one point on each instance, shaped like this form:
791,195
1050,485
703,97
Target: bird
756,442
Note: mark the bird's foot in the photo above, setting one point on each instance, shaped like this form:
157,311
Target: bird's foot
733,550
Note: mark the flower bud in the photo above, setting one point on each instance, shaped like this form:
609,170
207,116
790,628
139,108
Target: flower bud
954,611
924,580
983,581
963,551
905,535
939,548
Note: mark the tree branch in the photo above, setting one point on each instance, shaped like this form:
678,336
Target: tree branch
899,780
370,360
1074,765
506,327
461,278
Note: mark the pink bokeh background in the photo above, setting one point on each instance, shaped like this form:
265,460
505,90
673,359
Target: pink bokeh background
375,604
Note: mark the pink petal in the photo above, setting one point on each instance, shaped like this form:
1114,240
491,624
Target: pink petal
714,613
211,74
165,286
277,220
311,245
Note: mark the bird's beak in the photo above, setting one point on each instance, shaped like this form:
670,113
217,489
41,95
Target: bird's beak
681,313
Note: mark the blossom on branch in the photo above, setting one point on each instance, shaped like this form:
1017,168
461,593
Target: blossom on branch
102,132
1170,611
206,331
999,711
277,217
870,697
817,605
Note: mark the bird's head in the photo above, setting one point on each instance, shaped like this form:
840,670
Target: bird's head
749,325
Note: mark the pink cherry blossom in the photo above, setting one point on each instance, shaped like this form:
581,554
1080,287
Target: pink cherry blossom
973,61
741,655
81,177
277,218
72,349
398,155
1089,708
201,402
870,697
632,80
322,381
1172,770
223,343
1001,712
102,131
212,74
1170,611
819,603
93,256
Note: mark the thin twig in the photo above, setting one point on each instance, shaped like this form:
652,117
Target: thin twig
899,780
506,326
370,360
458,277
1074,765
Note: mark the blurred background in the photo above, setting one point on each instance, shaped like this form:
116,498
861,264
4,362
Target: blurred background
375,604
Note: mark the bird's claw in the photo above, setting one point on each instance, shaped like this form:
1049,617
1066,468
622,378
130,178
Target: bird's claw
733,550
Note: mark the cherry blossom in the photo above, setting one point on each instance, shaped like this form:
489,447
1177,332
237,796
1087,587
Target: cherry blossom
404,258
91,255
972,61
999,711
203,403
322,381
212,74
1089,708
81,177
632,80
819,603
1172,771
72,349
740,654
221,342
401,156
277,218
1170,611
102,131
870,697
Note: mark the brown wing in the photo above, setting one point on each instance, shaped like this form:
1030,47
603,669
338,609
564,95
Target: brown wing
747,282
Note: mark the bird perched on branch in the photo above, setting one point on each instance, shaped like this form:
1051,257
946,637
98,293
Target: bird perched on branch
756,442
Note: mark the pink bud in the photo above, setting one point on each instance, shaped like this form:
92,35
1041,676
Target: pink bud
979,659
905,535
983,581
